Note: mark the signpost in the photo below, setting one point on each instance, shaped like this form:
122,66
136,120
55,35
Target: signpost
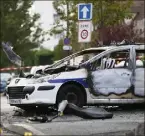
67,46
85,11
66,41
84,34
85,23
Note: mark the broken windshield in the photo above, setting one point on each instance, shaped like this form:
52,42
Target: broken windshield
78,58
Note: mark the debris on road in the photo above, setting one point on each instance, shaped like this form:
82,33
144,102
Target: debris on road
90,113
44,119
86,113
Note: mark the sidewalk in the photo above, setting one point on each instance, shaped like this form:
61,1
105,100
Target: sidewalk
86,127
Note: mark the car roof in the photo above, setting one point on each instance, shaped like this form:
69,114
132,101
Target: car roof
138,47
134,45
99,48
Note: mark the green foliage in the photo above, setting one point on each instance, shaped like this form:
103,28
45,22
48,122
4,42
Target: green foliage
105,13
19,27
4,62
42,52
30,59
58,51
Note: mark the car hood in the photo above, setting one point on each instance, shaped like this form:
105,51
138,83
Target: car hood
80,73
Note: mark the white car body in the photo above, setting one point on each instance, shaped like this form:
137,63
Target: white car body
46,88
46,97
36,68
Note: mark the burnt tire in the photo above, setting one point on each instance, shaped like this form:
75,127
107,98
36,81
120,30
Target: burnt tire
72,93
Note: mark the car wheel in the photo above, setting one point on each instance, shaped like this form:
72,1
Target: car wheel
72,93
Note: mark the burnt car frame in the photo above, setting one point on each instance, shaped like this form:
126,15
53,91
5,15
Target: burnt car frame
114,76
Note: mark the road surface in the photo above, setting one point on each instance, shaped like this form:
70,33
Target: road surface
123,120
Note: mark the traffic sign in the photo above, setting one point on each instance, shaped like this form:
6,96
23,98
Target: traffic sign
67,47
85,11
84,34
66,41
85,29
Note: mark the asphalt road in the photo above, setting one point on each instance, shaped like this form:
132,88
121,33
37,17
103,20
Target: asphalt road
5,109
122,120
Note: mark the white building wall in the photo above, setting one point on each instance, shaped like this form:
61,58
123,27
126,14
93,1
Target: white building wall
140,27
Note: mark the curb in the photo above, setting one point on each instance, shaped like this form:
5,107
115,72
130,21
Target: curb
22,129
139,130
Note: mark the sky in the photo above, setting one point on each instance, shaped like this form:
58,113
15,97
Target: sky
46,11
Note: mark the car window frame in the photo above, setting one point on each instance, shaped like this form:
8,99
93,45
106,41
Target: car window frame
97,57
135,49
68,58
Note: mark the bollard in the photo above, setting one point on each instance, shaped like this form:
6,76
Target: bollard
1,131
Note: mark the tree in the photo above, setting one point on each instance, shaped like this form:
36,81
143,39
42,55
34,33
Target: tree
106,13
59,27
58,51
44,57
19,27
118,33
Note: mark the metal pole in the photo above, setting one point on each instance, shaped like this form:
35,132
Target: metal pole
101,15
67,4
101,25
67,19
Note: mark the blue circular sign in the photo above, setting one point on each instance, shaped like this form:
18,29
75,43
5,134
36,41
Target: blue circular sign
66,41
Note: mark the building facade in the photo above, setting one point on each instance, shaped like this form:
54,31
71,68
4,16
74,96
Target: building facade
138,9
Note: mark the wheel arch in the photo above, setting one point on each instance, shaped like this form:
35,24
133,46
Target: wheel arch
75,83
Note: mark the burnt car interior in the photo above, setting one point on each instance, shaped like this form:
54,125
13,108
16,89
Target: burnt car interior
69,65
104,65
66,64
113,58
62,68
116,65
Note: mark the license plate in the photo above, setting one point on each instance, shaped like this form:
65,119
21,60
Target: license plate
15,101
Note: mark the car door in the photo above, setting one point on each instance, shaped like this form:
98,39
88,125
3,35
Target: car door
110,79
139,74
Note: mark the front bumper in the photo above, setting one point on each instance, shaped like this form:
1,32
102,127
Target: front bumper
42,94
31,101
